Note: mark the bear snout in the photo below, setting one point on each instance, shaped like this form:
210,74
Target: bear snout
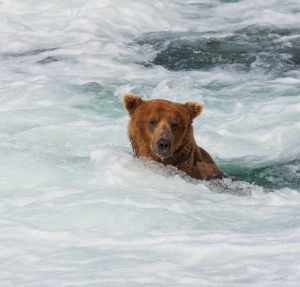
163,145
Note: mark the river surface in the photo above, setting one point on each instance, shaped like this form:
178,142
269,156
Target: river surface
77,209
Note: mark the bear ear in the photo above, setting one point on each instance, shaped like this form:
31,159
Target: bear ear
194,108
131,102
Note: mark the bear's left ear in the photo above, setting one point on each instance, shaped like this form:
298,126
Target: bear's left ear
194,108
131,102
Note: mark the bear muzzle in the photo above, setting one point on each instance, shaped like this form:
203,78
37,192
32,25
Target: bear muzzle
162,147
162,141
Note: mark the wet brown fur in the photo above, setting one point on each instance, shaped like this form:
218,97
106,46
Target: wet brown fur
173,120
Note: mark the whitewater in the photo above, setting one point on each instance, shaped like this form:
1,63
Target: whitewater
78,209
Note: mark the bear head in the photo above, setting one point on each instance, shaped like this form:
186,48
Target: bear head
158,128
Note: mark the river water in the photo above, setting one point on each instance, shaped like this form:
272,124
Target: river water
77,209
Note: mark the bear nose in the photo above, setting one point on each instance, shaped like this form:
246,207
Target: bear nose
163,145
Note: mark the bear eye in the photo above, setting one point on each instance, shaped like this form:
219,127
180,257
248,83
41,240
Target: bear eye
174,123
152,123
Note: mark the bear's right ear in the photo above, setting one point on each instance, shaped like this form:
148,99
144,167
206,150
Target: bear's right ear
131,102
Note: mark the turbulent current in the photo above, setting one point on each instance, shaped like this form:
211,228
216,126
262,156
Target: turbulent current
77,209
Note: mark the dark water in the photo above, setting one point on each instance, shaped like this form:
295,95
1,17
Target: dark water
272,176
270,48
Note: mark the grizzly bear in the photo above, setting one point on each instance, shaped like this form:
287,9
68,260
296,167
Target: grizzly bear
162,131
